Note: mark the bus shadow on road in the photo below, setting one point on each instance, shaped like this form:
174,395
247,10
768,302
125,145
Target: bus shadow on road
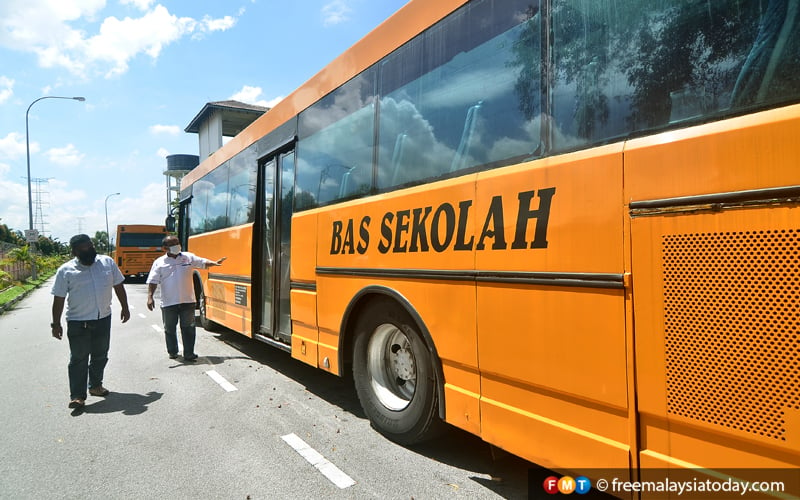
124,402
507,473
501,472
333,389
205,360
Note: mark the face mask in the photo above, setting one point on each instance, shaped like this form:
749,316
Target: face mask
174,249
87,257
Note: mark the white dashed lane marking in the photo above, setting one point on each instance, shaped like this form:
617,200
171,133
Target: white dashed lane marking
142,316
216,377
159,329
333,473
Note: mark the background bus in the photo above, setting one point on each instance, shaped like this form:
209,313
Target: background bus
137,246
569,227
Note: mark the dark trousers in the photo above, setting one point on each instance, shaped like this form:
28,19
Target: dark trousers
171,315
88,346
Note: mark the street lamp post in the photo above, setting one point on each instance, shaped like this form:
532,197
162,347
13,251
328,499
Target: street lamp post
108,235
28,154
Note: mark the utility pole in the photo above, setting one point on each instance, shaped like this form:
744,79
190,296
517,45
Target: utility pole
32,241
39,217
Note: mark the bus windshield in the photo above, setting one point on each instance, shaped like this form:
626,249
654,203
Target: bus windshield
140,239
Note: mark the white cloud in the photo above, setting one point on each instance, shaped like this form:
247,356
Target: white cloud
150,203
120,40
14,204
272,102
162,153
58,43
221,24
139,4
68,156
12,146
72,210
6,88
335,12
250,95
165,129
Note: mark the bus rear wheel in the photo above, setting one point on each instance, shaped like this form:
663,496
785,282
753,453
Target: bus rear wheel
394,375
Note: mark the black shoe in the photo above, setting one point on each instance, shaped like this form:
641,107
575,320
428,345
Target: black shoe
190,359
173,356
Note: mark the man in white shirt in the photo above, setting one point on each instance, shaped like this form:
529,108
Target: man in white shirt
86,282
173,271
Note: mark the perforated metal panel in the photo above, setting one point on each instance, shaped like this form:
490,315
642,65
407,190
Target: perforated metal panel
731,306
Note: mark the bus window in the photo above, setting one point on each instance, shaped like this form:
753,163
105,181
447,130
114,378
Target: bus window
623,71
242,187
209,208
769,74
461,95
335,159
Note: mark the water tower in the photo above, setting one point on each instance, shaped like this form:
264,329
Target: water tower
177,167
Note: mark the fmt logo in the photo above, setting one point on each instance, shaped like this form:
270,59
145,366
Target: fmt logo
567,485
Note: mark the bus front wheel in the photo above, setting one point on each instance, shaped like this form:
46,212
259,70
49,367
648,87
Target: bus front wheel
206,323
394,375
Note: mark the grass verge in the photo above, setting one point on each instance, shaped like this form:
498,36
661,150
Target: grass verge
15,291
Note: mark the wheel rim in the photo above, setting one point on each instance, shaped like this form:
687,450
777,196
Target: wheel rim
392,367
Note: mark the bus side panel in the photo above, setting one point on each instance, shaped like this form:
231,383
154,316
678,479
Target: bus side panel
749,152
552,357
446,324
223,301
305,335
716,294
395,233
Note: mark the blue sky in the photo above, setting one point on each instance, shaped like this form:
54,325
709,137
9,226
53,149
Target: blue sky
146,68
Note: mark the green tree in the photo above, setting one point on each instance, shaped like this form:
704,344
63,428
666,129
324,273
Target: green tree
22,254
48,246
10,236
100,241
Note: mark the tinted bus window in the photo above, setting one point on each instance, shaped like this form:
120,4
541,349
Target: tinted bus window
336,139
654,64
242,188
209,205
463,94
140,240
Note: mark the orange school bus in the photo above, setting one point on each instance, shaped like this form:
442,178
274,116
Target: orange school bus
570,228
137,246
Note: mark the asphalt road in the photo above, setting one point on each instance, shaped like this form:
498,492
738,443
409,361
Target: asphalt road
244,422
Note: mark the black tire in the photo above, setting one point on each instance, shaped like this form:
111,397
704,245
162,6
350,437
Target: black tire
394,374
206,323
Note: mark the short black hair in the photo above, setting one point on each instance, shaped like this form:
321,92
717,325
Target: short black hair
79,239
167,237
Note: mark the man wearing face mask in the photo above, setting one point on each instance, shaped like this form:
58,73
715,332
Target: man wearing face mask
86,283
173,271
